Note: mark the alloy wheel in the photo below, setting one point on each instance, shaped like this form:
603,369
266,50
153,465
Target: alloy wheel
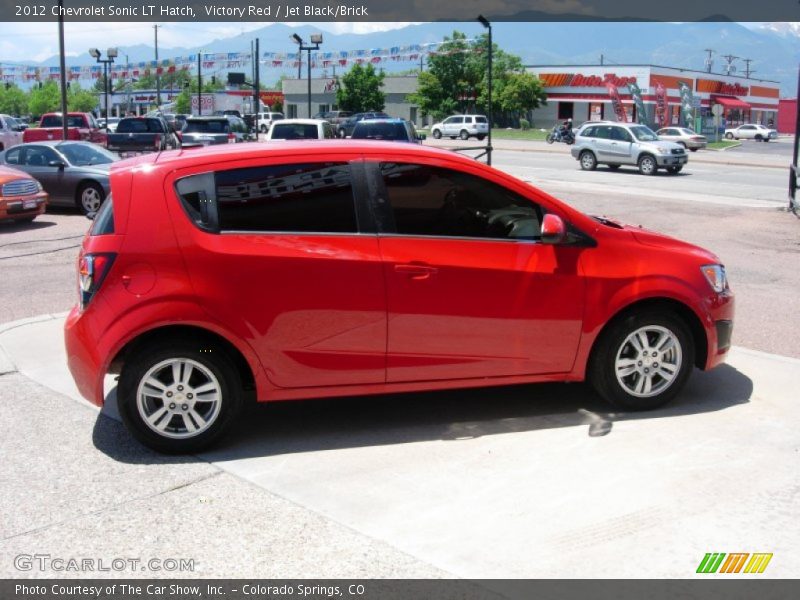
648,360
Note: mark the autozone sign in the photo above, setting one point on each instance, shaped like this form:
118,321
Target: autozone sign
581,80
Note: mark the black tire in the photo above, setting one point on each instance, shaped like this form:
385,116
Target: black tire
759,138
674,170
437,134
480,137
464,135
89,197
204,359
647,165
587,160
693,149
728,136
765,140
613,167
614,342
550,139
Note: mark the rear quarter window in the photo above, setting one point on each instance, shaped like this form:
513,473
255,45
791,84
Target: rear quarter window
103,223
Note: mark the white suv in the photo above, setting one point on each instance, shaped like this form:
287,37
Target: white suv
10,133
266,119
462,126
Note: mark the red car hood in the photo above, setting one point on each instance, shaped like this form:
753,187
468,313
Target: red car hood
659,240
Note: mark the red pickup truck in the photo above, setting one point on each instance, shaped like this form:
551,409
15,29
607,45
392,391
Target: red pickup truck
80,126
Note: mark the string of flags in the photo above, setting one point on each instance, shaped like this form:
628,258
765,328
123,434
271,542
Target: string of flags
228,60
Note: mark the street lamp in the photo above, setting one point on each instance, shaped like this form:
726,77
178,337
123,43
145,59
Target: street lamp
485,22
316,40
111,53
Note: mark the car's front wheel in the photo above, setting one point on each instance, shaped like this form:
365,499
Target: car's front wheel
728,136
588,161
648,165
643,360
437,134
179,397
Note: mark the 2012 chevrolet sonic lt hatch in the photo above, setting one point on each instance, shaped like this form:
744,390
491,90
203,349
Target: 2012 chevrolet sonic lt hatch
340,269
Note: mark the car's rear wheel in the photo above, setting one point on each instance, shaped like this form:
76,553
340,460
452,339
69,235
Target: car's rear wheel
674,170
588,161
437,134
89,197
758,137
648,165
179,397
728,136
464,135
643,360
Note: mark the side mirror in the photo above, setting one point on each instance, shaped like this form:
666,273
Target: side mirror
553,229
57,163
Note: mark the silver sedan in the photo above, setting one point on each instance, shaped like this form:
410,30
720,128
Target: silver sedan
72,173
683,136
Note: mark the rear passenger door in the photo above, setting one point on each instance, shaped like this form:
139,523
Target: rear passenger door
276,253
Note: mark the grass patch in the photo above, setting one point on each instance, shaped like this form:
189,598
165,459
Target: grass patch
722,144
519,134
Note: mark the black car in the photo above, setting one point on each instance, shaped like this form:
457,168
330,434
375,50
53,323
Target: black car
390,130
207,131
347,126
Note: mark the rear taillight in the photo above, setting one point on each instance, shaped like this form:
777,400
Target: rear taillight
92,270
231,138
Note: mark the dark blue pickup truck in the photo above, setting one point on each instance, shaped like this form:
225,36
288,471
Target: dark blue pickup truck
135,135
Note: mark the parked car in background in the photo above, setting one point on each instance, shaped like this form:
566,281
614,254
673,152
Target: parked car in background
73,173
462,126
390,130
21,196
750,131
142,134
80,126
684,137
616,144
211,131
335,117
10,132
266,119
21,123
301,129
112,123
283,274
347,125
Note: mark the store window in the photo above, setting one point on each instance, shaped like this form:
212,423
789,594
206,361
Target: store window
566,110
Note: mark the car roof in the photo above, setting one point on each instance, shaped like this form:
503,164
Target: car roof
55,143
302,121
381,120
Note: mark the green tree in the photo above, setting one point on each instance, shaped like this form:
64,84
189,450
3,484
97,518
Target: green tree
13,100
44,99
80,100
520,93
183,102
360,90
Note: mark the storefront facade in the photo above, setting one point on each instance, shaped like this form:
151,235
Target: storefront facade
669,96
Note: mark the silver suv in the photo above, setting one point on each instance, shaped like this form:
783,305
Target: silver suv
616,144
462,126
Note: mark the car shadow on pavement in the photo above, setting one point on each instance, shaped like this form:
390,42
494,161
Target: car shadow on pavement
274,429
40,222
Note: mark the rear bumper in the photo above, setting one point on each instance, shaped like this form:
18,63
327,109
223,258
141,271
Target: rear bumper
83,360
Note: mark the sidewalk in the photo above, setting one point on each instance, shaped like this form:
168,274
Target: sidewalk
529,481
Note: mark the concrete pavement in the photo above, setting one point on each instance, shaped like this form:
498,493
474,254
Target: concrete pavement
530,481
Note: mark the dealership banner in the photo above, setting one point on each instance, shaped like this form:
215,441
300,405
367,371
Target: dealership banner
687,104
616,102
641,109
661,105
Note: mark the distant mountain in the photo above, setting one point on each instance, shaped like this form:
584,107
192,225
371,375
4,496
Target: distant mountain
774,47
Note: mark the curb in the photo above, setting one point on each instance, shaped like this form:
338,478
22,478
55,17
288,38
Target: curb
6,364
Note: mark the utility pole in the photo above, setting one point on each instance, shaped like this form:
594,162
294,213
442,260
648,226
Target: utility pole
199,84
158,77
747,70
257,85
729,66
601,60
709,61
62,63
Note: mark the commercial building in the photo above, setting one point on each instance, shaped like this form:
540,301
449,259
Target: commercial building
587,92
787,115
323,97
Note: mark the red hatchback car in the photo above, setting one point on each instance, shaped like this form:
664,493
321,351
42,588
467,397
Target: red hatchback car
366,268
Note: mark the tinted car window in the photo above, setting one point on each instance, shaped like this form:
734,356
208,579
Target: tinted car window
82,155
314,197
39,156
432,201
589,132
140,126
381,131
481,120
294,131
55,121
103,223
215,126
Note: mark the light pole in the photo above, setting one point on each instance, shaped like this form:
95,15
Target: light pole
316,40
111,53
485,22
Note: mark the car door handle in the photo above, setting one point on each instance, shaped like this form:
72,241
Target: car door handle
416,271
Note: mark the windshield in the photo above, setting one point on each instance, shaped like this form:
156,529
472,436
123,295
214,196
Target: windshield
294,131
140,126
643,134
380,131
206,126
82,155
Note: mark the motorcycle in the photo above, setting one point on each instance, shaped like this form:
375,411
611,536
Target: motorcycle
559,134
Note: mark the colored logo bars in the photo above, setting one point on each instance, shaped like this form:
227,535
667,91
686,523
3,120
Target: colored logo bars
716,562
